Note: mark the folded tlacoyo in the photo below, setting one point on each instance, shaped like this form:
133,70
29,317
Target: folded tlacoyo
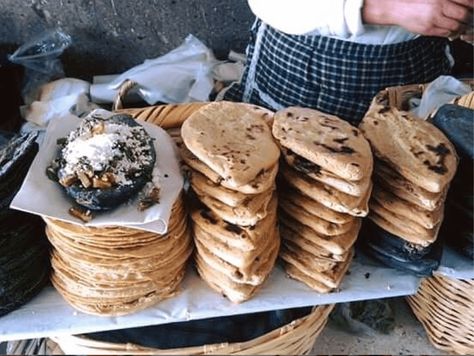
233,140
323,192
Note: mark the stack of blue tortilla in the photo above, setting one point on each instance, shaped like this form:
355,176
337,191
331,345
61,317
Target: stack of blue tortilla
24,257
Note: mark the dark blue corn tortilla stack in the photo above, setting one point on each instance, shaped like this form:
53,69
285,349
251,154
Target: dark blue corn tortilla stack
24,256
457,122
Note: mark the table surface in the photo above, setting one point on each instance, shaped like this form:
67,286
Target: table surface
455,265
50,315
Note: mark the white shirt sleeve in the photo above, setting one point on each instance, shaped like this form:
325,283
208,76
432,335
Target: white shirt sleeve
337,18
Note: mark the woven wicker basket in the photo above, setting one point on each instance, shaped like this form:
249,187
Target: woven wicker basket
445,307
295,338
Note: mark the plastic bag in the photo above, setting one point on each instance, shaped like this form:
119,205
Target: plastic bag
40,57
439,92
182,75
367,317
41,346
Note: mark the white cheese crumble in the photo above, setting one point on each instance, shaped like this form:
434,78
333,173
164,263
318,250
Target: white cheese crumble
97,149
118,149
154,183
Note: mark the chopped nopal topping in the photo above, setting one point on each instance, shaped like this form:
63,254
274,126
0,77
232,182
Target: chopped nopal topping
151,198
151,193
103,154
83,214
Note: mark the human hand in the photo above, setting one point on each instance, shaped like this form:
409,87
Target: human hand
444,18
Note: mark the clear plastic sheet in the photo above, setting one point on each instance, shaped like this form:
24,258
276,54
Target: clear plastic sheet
40,57
182,75
49,314
439,92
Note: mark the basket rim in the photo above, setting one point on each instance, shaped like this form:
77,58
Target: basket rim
301,330
444,306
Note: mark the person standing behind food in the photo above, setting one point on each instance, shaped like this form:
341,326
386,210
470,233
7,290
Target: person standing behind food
335,55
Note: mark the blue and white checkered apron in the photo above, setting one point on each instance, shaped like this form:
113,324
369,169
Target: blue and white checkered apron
335,76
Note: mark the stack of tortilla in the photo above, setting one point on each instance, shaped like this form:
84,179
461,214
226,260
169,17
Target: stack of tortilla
233,162
414,165
325,188
24,257
118,270
457,123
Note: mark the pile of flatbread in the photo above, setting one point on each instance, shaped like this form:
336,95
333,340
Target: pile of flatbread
457,122
323,193
414,165
117,270
24,258
233,162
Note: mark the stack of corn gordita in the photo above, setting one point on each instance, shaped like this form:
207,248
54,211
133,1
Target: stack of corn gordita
234,161
324,190
414,165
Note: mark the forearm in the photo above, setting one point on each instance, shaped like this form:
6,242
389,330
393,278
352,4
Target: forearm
426,17
377,12
330,17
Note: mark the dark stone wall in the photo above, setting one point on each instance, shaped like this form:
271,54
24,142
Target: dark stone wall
111,36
